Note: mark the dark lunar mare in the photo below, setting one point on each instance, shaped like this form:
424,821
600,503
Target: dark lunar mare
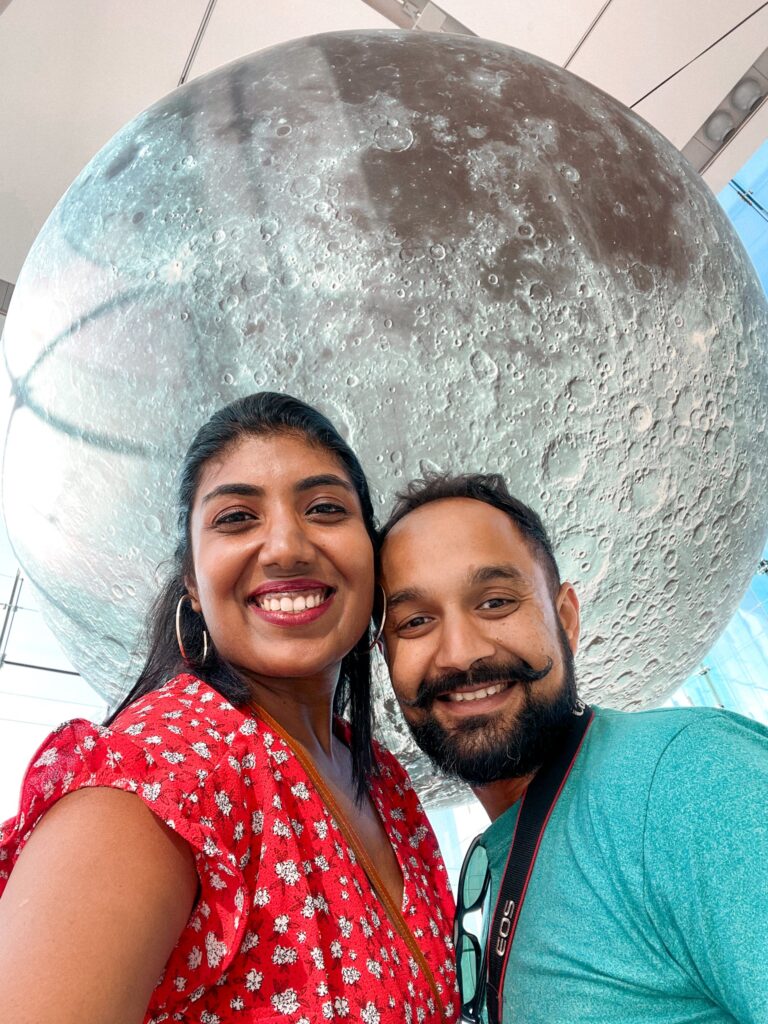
266,414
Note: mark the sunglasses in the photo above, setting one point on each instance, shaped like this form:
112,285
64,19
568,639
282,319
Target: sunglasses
471,966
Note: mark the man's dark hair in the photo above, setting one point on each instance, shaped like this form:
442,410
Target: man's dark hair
487,487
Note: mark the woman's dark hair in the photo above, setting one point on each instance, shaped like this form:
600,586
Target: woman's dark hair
261,415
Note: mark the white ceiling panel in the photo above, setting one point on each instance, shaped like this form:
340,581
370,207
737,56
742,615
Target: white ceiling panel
690,97
238,27
635,45
71,74
548,28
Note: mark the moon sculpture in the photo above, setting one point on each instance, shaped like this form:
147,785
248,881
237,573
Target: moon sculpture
470,259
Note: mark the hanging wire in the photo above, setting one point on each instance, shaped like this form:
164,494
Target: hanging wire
588,33
197,41
694,59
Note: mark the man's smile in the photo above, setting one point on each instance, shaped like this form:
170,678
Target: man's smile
479,701
484,687
479,692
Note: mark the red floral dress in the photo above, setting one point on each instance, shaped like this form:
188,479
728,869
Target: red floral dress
287,927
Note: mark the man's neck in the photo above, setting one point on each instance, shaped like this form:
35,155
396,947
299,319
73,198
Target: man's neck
498,797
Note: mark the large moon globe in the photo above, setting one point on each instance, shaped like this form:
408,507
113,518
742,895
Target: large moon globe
469,259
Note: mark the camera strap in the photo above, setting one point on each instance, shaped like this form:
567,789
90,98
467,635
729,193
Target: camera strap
537,805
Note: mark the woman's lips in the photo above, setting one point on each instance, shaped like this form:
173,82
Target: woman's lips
291,603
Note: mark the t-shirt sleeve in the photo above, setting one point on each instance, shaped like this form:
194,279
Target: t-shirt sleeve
193,792
706,860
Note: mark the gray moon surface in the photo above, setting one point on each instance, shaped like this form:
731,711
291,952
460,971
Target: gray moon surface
468,258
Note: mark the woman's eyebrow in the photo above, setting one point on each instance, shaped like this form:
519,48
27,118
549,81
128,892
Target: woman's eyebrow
324,480
247,490
254,491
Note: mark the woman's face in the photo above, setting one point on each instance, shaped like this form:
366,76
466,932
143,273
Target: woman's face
283,565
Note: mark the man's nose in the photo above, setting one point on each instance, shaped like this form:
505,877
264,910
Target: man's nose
461,644
284,543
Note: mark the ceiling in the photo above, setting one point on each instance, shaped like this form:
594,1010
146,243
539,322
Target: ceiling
72,73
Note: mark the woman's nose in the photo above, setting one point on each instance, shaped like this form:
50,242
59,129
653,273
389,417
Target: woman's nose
285,544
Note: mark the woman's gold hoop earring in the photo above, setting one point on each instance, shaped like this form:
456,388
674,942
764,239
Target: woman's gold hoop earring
380,630
187,660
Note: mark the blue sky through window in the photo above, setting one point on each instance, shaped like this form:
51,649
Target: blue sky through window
745,200
735,672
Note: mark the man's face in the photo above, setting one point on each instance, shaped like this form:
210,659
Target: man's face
479,650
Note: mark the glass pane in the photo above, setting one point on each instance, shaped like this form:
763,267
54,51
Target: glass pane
32,642
32,703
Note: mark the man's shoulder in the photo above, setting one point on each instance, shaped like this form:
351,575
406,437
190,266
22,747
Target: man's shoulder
638,742
661,725
653,724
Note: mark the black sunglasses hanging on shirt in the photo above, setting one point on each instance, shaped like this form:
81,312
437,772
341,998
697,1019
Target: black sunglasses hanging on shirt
480,970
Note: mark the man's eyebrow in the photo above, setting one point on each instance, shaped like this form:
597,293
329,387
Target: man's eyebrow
246,490
485,574
503,571
324,480
404,595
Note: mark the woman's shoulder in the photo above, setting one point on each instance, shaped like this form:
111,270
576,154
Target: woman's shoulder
391,769
386,767
178,748
184,719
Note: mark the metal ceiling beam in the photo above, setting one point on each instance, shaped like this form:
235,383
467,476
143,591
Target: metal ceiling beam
419,14
6,291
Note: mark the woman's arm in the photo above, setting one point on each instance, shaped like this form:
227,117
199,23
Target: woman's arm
92,910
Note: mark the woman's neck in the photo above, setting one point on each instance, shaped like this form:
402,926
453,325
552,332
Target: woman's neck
302,707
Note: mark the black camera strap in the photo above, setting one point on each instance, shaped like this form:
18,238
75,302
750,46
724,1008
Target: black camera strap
537,805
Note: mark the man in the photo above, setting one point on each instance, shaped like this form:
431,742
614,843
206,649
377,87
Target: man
648,899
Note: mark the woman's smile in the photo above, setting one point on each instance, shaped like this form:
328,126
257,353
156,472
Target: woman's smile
292,602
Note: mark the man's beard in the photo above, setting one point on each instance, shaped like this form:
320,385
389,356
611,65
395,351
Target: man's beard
485,748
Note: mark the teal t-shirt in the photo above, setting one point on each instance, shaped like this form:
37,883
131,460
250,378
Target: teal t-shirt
649,897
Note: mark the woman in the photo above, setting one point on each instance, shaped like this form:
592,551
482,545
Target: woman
227,833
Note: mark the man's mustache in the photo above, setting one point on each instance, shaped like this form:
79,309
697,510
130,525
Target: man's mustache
515,670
